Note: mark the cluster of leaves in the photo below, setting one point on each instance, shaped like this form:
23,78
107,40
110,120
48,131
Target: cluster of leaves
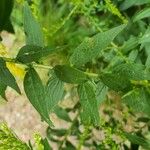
94,66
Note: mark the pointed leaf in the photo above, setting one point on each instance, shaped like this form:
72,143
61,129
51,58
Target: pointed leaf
34,90
34,35
89,104
69,74
91,47
115,82
32,53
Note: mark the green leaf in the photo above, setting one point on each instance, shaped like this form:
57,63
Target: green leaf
115,82
145,13
131,71
62,113
34,35
32,53
34,90
129,3
138,100
87,95
137,140
54,93
6,78
69,74
2,89
91,47
101,91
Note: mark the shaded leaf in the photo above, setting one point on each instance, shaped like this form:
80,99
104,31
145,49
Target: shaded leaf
6,78
89,104
34,90
91,47
32,53
69,74
34,35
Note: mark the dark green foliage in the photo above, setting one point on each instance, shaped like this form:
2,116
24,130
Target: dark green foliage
6,78
69,74
35,92
31,53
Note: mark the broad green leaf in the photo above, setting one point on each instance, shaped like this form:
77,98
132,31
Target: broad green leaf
6,78
87,95
91,47
62,113
133,138
138,100
32,53
33,31
145,13
69,74
5,15
54,93
115,82
34,90
101,91
129,3
131,71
